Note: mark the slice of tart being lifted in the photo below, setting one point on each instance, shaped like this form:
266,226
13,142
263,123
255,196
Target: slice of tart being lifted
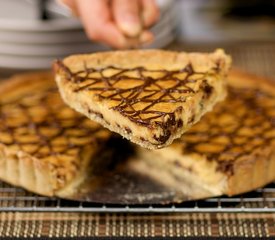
150,97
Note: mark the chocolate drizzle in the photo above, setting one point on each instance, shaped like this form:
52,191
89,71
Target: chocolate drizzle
242,124
128,88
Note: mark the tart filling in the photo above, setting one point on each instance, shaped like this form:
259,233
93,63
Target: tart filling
152,99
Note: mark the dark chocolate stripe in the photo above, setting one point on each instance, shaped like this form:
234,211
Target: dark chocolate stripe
106,88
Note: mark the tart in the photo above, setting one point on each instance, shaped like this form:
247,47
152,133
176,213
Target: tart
150,97
45,146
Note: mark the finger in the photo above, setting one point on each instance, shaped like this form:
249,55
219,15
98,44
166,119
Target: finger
126,14
112,36
71,5
146,37
150,12
97,21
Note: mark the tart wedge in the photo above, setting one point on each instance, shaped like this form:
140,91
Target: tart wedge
150,97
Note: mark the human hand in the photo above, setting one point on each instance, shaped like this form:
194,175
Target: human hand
118,23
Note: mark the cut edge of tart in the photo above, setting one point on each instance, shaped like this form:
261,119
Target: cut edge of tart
150,97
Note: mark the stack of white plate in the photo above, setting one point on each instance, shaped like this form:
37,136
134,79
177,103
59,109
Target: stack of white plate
29,43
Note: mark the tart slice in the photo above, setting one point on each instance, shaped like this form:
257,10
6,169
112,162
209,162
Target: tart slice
150,97
45,146
230,151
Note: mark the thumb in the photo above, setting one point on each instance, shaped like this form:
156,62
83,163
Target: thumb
127,16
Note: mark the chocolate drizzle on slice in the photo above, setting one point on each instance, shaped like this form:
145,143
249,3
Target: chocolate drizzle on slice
148,90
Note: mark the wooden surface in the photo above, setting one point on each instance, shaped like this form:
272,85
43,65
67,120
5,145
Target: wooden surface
117,225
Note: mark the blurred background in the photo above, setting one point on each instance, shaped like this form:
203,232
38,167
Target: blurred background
35,32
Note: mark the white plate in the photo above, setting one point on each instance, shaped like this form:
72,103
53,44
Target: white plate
46,50
19,10
34,62
53,25
41,36
22,23
59,49
53,39
40,62
73,36
18,37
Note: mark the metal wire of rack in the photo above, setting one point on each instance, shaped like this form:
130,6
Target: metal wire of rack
16,199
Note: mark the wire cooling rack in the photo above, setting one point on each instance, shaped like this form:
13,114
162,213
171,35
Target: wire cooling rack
17,199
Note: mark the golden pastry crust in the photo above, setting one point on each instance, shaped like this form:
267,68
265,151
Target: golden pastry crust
230,151
40,147
150,97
